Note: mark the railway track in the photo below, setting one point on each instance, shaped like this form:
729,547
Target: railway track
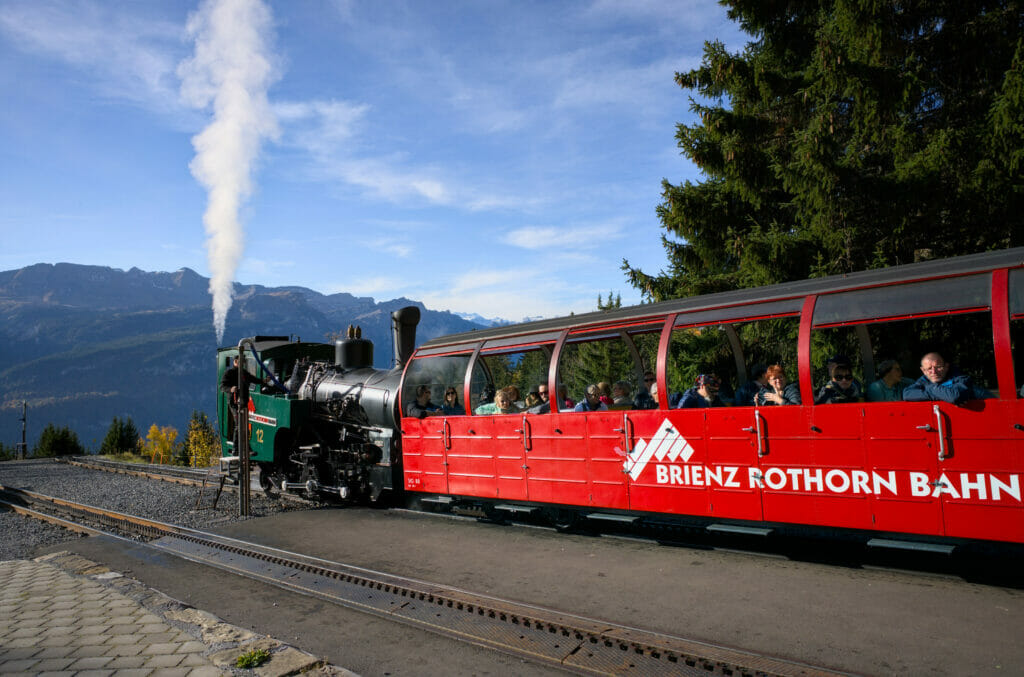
576,644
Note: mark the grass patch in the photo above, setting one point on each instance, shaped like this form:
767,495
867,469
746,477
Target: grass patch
252,659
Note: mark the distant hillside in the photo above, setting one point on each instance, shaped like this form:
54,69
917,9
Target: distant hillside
82,344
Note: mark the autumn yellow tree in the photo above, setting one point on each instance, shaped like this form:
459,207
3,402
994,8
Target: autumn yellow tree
201,443
159,443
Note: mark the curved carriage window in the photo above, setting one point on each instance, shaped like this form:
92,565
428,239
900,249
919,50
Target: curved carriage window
916,298
439,374
871,351
520,373
615,360
1017,293
729,351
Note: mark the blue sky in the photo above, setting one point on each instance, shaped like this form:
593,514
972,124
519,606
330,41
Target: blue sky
489,157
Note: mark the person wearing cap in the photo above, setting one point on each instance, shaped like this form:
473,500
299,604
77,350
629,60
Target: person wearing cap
703,394
591,400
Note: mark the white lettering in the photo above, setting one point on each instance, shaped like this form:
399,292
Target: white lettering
843,486
966,485
778,483
918,484
695,475
713,474
755,478
890,484
944,486
812,479
1013,488
795,473
860,482
676,475
730,481
662,474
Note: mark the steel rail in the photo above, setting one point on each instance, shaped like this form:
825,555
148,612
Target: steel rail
574,643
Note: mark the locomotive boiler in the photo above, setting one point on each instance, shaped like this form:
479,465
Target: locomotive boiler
320,419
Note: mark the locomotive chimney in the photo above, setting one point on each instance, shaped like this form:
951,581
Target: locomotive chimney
403,333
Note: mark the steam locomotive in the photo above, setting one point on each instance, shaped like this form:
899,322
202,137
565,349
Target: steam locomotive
320,420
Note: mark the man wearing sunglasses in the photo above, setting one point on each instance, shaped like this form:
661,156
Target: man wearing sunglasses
841,388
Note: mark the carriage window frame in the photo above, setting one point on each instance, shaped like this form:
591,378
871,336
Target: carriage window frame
948,295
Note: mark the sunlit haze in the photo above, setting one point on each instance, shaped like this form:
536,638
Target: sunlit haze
498,158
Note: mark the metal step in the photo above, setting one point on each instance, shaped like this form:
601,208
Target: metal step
509,507
737,529
895,544
609,517
440,500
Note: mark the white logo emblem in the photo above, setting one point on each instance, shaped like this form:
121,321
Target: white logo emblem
666,443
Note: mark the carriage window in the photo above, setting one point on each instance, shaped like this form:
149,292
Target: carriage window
932,296
614,360
964,340
728,351
440,374
519,373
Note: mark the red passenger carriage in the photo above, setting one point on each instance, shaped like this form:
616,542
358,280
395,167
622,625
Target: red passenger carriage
926,471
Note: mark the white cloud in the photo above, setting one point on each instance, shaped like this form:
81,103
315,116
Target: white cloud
380,286
567,238
391,245
128,57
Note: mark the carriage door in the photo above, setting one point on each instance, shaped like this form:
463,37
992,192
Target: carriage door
427,442
910,447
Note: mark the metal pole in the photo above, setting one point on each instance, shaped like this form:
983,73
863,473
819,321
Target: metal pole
24,420
242,418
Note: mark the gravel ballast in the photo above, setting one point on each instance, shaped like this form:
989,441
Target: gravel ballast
21,536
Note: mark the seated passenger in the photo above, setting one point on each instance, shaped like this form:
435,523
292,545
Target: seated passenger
647,397
620,396
941,382
703,394
487,394
542,390
451,405
422,407
563,397
890,384
532,400
746,392
605,391
776,392
842,361
514,394
591,400
502,404
841,388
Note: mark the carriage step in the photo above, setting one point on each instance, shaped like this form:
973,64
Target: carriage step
608,517
940,548
508,507
737,529
440,500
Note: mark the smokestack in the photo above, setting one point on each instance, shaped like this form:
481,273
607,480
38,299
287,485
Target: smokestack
230,70
403,333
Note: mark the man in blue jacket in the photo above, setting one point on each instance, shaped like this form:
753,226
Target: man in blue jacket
940,382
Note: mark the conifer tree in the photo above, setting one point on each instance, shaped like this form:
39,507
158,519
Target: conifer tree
54,441
846,135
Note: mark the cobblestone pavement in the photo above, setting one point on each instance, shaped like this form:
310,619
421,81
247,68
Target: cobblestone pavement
63,615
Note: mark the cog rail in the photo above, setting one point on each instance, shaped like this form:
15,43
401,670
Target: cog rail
579,645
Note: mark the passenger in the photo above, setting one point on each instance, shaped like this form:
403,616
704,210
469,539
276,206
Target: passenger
703,394
532,400
620,396
777,392
890,384
605,389
542,390
647,397
451,405
842,388
841,361
563,397
941,382
487,394
591,400
422,407
514,394
502,404
746,392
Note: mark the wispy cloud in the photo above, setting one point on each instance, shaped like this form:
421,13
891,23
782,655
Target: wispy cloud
566,238
128,57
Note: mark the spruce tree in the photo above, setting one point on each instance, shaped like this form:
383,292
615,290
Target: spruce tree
846,135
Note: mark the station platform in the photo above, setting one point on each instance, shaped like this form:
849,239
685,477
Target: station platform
62,614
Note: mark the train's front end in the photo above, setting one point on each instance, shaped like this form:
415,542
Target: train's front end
322,421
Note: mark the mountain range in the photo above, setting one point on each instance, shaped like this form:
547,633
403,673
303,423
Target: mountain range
83,344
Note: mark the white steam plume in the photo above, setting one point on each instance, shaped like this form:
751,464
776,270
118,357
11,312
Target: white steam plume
230,70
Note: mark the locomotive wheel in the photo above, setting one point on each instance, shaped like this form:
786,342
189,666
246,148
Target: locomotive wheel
269,490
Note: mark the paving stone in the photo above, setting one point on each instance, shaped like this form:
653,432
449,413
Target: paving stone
164,661
52,664
23,665
90,662
127,662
